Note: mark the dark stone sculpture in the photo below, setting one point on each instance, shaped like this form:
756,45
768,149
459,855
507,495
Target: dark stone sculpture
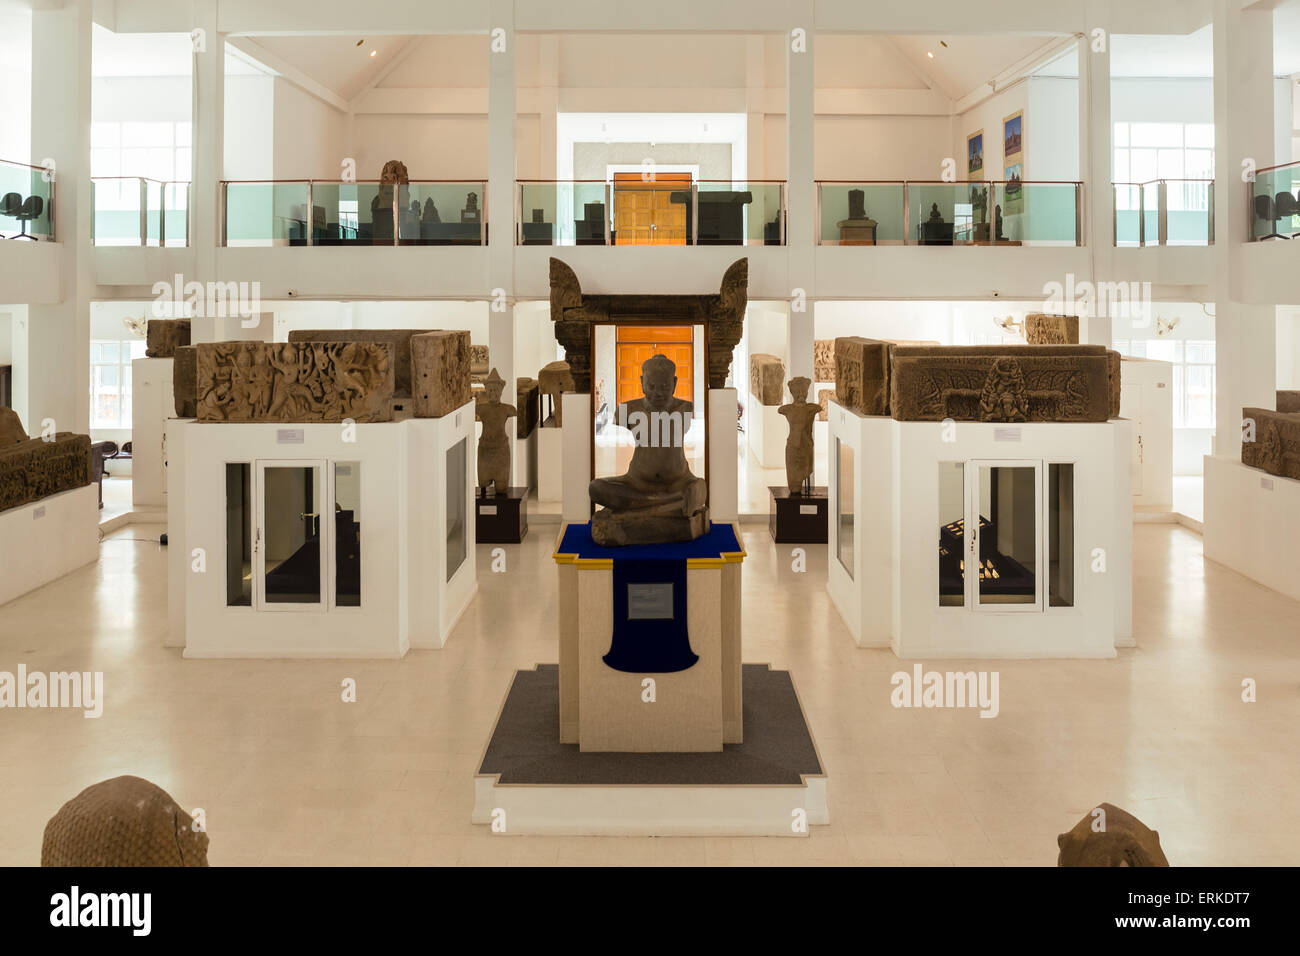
32,469
1044,329
800,414
862,375
440,364
165,335
471,212
997,224
399,339
766,373
721,314
658,499
1276,445
185,382
494,443
527,401
125,821
430,212
1288,400
295,382
1124,841
554,379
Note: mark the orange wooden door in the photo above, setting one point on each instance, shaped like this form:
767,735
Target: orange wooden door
636,343
644,213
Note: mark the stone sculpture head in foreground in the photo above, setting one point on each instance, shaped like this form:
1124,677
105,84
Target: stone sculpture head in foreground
659,499
125,821
1109,836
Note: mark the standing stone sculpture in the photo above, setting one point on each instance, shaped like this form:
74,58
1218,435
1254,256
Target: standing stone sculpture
800,414
125,821
164,336
494,443
658,499
554,379
1113,837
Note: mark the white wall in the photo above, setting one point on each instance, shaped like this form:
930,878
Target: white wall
1162,100
159,99
433,147
249,141
309,136
6,338
1288,346
879,147
16,84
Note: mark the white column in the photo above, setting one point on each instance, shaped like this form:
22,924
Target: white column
501,197
1095,163
801,190
1245,335
58,336
209,113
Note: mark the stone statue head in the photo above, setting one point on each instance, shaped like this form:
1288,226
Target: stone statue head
394,171
799,386
1109,836
658,381
494,384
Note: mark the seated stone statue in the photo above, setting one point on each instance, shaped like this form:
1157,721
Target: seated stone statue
659,499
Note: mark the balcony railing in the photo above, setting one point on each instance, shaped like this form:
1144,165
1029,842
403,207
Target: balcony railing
1164,212
134,211
648,212
933,213
26,201
1275,202
360,213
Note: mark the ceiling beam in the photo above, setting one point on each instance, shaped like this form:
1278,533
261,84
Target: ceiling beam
290,72
405,50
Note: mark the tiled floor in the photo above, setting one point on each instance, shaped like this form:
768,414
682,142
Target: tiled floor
288,773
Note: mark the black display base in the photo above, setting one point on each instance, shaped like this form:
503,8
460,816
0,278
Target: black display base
503,518
790,519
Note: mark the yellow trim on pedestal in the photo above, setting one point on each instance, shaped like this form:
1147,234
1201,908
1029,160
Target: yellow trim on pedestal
725,557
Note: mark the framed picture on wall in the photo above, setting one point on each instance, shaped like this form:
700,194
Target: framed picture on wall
1013,161
975,155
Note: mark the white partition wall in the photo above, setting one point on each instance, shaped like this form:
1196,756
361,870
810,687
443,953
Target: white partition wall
152,404
1147,400
896,488
724,447
1252,523
46,539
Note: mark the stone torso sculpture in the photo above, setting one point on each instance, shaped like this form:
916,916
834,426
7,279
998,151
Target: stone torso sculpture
658,499
800,414
494,444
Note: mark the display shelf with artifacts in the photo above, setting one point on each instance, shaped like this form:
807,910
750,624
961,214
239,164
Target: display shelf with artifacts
981,539
650,614
343,528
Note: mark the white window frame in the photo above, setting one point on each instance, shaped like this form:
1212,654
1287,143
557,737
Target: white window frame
123,364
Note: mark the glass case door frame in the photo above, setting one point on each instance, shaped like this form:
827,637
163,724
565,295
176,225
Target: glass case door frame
971,534
325,534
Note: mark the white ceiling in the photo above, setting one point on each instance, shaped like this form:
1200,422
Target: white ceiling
967,63
337,62
151,54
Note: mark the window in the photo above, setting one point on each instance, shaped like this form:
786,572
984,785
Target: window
158,151
1194,379
110,381
1172,151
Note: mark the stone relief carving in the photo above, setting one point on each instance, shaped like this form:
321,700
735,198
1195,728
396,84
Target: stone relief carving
185,382
824,360
1276,448
294,382
164,336
32,469
399,339
440,370
766,374
1044,329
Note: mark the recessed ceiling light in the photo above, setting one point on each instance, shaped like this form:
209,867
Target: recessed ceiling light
373,52
929,54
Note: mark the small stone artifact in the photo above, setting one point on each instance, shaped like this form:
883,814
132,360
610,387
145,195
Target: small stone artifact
935,214
997,224
471,211
659,499
766,372
1288,400
294,381
430,212
125,821
440,379
537,216
1119,839
526,402
164,335
554,380
494,443
1044,329
800,414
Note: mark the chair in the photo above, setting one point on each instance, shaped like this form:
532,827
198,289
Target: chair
1266,209
1285,206
15,207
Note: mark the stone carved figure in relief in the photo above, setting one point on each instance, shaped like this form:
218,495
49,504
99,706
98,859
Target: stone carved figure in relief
800,414
659,499
1003,396
1109,836
494,443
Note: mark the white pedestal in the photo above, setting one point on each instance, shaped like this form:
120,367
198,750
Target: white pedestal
412,589
1252,523
550,465
889,595
1147,400
42,541
152,404
724,447
767,434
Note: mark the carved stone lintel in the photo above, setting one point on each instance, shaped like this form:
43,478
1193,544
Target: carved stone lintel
35,468
1044,329
1276,448
766,378
399,339
164,336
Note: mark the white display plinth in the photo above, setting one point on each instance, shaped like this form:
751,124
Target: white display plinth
768,431
550,464
1147,400
44,540
1252,523
152,404
408,597
890,596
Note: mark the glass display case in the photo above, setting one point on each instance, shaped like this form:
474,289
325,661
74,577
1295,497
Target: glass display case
844,516
457,529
